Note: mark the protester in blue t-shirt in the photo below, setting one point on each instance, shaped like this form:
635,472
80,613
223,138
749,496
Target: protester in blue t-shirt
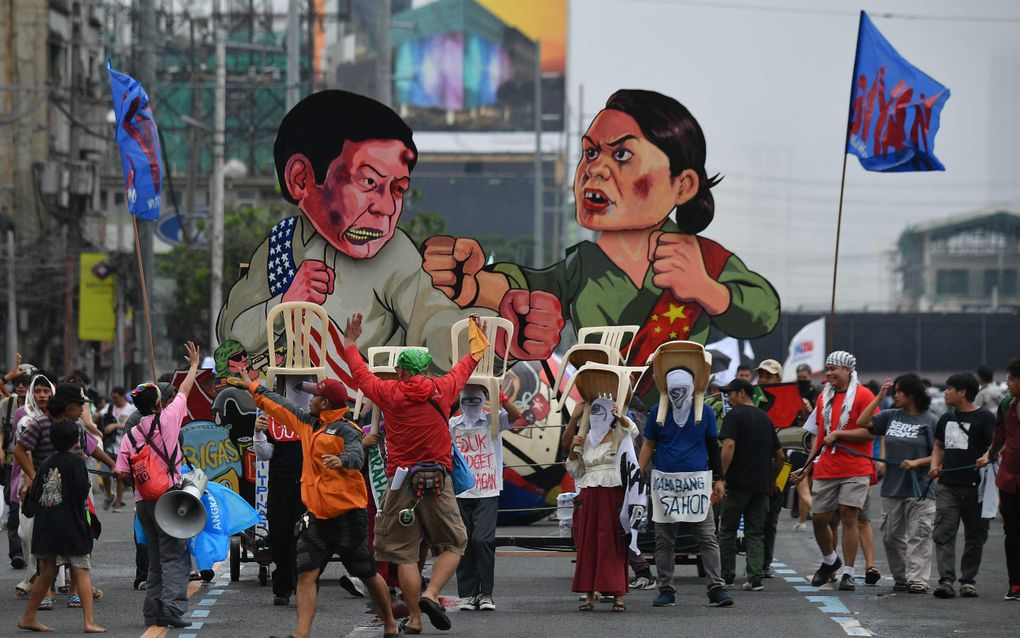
681,444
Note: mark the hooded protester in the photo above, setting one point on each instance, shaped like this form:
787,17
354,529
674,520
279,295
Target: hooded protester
600,542
685,445
481,443
36,399
417,410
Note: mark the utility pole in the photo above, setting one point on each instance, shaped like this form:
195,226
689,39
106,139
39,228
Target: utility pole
146,75
383,70
311,47
216,204
7,221
7,214
193,143
537,259
293,52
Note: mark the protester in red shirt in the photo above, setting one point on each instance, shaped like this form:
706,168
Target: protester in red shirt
842,472
417,410
1007,441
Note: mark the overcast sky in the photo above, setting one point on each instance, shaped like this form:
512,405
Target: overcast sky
769,82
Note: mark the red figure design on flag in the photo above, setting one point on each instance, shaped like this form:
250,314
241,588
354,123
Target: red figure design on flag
145,134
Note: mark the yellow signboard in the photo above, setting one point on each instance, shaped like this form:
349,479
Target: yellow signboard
97,319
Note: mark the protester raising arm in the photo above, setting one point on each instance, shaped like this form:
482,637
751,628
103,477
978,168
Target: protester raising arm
192,358
866,420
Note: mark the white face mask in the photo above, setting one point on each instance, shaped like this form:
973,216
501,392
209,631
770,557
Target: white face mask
472,400
680,388
599,421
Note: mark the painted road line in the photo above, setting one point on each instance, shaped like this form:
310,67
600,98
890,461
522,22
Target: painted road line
205,602
775,564
829,604
806,589
200,613
214,592
786,571
795,579
851,626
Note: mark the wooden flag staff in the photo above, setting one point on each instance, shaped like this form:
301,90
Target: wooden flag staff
145,298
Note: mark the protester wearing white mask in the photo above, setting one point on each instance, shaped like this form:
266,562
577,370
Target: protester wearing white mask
481,444
680,448
601,547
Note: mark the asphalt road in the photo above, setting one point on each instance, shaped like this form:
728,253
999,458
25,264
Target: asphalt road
533,599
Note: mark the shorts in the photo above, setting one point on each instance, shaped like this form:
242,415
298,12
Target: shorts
75,562
346,535
829,494
438,521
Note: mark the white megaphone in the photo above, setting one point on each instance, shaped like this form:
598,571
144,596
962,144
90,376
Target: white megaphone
180,512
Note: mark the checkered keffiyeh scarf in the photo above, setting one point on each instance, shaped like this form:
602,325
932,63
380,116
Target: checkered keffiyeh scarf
846,360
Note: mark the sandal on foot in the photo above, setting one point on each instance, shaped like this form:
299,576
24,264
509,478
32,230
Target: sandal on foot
22,592
587,606
46,604
436,613
872,576
619,607
74,601
407,629
97,593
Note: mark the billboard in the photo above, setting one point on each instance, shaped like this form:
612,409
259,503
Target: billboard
472,64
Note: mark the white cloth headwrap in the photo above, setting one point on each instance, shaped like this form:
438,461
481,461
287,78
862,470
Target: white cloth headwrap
32,408
472,413
680,388
599,421
846,360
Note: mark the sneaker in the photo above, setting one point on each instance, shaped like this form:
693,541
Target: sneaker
18,562
727,584
944,590
822,575
899,586
799,527
872,576
485,603
642,582
1013,593
719,597
350,586
847,583
281,601
664,599
752,585
468,604
968,591
768,572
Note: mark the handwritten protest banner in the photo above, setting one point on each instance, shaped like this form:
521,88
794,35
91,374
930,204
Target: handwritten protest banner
475,444
680,497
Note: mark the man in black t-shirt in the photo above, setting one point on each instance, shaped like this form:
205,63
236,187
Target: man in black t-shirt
962,435
751,460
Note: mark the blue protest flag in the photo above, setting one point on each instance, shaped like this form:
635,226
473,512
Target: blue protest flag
139,145
894,108
226,511
208,549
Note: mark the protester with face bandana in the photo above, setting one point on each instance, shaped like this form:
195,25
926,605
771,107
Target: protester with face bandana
841,477
601,545
481,444
682,444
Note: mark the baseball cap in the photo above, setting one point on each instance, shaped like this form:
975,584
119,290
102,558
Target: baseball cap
738,384
771,366
70,393
332,389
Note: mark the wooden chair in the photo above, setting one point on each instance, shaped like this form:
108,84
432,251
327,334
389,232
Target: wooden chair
298,323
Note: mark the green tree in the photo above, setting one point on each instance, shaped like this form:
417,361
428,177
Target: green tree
244,229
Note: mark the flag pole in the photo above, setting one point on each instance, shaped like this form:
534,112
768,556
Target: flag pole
145,298
842,188
835,260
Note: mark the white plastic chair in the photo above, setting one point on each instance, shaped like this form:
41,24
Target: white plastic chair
598,344
382,362
298,322
486,372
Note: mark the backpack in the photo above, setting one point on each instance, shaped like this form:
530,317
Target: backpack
151,468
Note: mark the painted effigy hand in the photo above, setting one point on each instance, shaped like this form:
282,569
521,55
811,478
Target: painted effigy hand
538,319
679,267
454,264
